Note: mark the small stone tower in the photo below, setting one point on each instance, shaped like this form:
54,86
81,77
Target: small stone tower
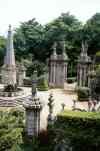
58,67
33,108
9,67
83,67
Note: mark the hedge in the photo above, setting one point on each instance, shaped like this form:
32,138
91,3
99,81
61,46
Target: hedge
81,128
42,84
11,127
83,93
71,79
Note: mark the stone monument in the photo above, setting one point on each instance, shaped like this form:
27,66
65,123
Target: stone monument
9,67
33,108
83,67
58,67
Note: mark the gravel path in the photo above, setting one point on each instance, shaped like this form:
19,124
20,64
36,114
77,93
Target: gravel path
60,96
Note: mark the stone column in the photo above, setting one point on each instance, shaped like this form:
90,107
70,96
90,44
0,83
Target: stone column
83,66
33,109
33,118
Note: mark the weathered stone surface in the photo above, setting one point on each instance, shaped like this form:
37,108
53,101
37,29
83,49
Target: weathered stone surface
33,109
83,67
9,67
58,68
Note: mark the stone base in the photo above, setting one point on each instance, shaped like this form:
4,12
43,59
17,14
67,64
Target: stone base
11,94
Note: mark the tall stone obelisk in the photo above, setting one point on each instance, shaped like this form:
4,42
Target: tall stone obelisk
9,67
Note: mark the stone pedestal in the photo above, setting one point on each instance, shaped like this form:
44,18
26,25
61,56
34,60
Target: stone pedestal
58,68
83,67
33,118
33,109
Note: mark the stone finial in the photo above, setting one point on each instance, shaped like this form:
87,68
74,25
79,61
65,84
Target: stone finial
54,49
34,84
33,109
84,47
54,46
63,45
50,105
84,58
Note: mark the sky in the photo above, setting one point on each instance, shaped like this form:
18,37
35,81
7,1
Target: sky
15,11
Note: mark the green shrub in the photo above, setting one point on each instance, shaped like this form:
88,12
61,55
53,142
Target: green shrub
83,93
27,82
81,128
98,57
98,53
71,79
11,127
42,84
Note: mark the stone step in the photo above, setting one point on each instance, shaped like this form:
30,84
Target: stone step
13,102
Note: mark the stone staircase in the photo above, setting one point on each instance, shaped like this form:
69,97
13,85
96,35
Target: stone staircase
9,102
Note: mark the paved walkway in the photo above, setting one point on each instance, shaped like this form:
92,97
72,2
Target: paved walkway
60,96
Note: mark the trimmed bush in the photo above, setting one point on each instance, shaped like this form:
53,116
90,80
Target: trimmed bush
83,93
98,57
11,127
81,128
27,82
42,84
71,80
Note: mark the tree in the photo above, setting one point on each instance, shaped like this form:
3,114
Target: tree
65,27
92,33
29,38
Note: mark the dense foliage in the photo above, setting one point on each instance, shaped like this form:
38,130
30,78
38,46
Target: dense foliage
11,127
81,128
33,38
83,93
42,84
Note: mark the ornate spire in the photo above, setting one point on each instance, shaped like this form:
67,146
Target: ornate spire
84,48
54,54
83,56
10,57
54,49
34,84
63,47
64,50
9,67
